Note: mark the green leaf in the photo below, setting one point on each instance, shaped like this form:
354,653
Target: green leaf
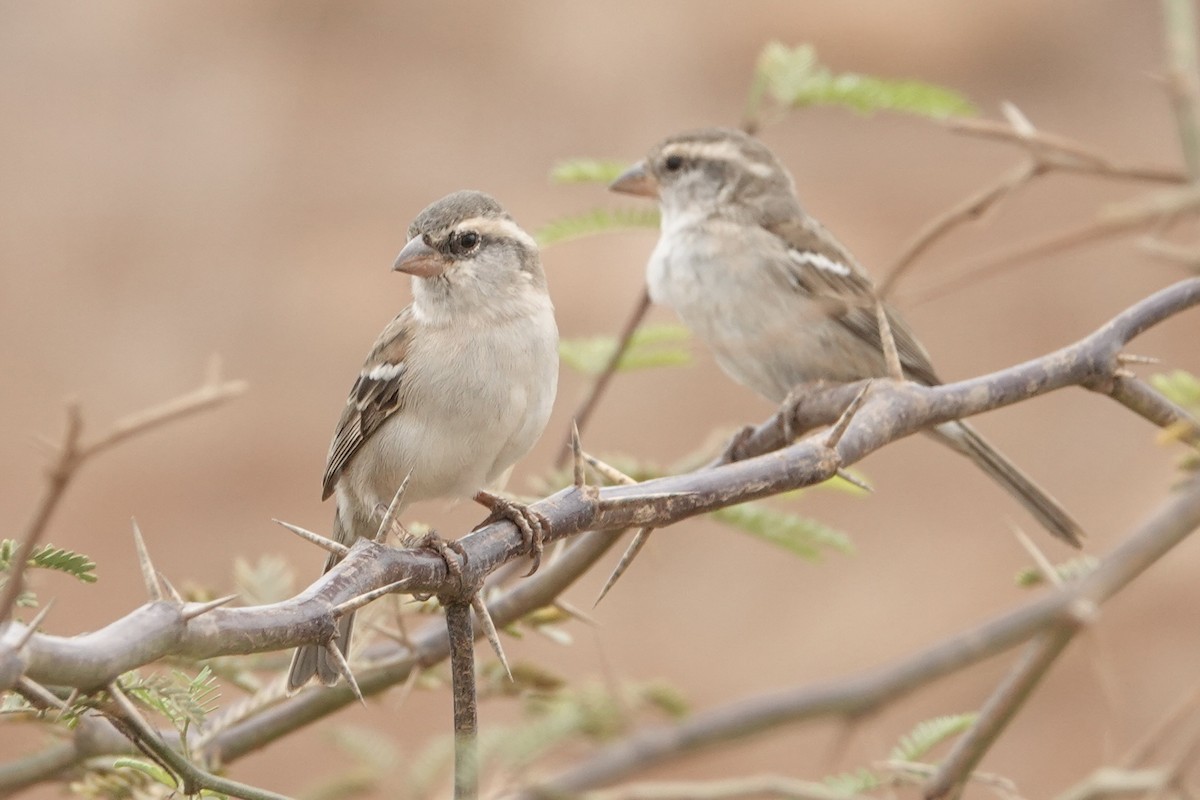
268,580
50,557
928,734
587,170
179,698
805,537
1078,567
151,770
651,346
793,78
599,220
1180,387
853,783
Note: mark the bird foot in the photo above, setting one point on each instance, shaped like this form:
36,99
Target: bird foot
449,552
532,524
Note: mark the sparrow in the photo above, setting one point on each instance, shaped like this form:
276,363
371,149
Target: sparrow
454,391
780,302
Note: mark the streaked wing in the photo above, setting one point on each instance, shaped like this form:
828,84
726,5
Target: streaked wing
821,268
375,396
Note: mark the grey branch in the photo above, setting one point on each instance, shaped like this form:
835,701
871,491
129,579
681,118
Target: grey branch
863,694
888,412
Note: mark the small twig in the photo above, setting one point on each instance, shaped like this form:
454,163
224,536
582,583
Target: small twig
1113,221
1147,402
584,412
1008,698
1107,782
192,778
466,715
72,454
1183,78
1052,151
753,786
1049,573
57,478
1153,738
969,209
1174,520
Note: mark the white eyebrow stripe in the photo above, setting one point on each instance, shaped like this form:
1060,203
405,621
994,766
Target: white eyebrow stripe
724,151
819,260
499,227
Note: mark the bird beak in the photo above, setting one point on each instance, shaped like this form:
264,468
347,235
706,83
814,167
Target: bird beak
419,259
636,180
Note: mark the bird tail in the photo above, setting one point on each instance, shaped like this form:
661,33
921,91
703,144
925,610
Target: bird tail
315,659
1041,505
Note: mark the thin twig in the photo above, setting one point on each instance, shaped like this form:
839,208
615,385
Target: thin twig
583,413
192,778
1059,152
853,697
969,209
1008,698
57,478
72,454
1113,221
1183,78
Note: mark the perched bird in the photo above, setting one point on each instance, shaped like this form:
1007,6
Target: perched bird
778,300
455,390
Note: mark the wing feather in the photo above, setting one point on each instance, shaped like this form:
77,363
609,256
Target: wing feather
821,268
377,393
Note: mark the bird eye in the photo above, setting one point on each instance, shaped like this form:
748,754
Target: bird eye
673,163
465,242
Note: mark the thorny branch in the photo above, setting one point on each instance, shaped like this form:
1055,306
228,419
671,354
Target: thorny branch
888,412
857,696
73,453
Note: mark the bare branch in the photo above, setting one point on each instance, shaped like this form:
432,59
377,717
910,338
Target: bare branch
192,778
1183,78
969,209
890,411
864,694
1112,221
584,412
1052,151
1001,707
72,454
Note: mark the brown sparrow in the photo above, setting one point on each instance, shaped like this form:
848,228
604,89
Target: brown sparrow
777,298
455,390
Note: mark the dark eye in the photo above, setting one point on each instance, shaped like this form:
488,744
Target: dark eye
673,163
465,242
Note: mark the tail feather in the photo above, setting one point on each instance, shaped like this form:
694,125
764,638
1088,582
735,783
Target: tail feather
314,659
1041,505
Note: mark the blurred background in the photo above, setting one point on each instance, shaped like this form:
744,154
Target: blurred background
187,179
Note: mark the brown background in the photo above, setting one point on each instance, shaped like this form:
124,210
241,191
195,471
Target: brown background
193,178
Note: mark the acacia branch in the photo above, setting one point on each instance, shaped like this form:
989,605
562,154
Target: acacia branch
889,411
72,454
583,413
855,697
